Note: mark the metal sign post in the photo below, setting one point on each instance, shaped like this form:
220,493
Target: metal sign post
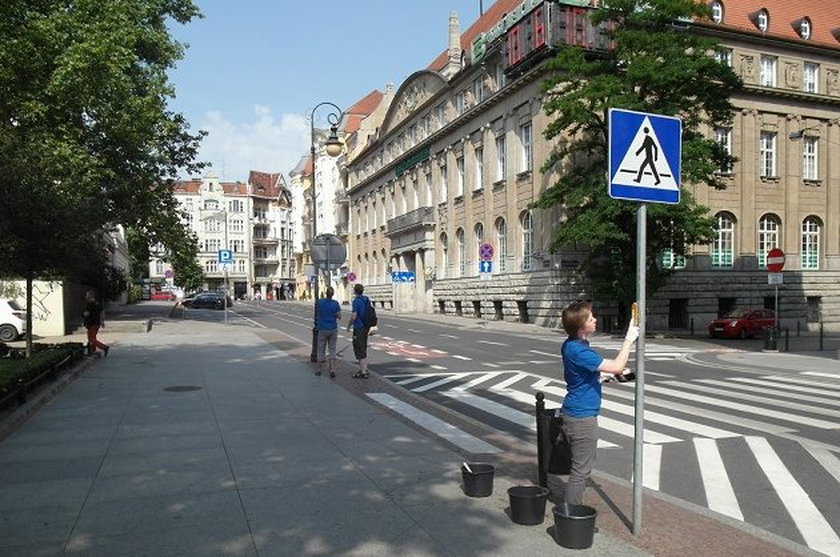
639,432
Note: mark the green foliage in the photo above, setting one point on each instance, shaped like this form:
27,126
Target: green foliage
45,358
656,65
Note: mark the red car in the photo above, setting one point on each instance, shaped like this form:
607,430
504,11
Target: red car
743,323
162,295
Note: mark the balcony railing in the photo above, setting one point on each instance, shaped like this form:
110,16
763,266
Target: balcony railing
422,216
266,241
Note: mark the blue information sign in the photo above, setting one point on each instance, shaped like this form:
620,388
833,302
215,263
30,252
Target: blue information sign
402,276
225,256
645,152
485,266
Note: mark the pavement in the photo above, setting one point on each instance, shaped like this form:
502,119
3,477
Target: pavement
202,439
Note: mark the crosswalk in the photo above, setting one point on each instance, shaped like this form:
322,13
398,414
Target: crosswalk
760,449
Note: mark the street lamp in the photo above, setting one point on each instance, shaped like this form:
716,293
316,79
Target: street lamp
333,146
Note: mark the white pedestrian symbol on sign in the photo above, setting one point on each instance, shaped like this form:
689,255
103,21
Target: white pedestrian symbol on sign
644,164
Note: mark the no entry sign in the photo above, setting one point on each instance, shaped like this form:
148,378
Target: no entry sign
775,260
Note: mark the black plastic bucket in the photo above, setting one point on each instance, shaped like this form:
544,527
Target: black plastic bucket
527,503
574,526
478,479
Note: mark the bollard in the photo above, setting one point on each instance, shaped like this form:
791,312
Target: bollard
692,326
541,471
313,356
787,339
821,335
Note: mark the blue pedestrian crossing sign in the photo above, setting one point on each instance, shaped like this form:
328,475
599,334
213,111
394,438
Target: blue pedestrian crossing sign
645,152
225,256
485,266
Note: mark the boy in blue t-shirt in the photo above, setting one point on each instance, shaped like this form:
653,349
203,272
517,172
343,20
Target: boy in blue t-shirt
327,314
360,332
582,371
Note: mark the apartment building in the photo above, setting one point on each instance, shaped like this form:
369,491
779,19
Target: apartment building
455,164
253,220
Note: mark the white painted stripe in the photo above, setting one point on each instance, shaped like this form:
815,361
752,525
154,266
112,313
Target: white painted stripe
657,374
652,455
436,351
410,380
413,360
731,405
808,408
513,363
417,346
490,364
435,425
459,357
778,385
541,362
509,381
704,412
628,430
435,366
826,459
805,381
772,392
478,380
387,338
540,353
492,342
389,353
414,330
822,374
438,383
510,414
447,336
720,496
813,526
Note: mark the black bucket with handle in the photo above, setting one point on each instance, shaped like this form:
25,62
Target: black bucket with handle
478,478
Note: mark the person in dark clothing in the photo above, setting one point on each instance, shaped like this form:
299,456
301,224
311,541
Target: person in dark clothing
93,321
327,315
360,332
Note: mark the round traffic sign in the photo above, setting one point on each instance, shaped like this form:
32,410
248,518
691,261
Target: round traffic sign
775,260
485,252
351,276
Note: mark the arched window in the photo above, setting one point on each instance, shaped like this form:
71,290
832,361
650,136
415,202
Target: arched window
384,269
717,11
723,247
479,240
768,237
375,269
810,250
805,28
501,241
527,240
762,20
462,260
367,269
444,256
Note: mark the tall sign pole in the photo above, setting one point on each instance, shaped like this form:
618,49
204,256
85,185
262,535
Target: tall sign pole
644,163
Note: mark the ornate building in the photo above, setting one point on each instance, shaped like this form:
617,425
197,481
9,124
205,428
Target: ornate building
455,164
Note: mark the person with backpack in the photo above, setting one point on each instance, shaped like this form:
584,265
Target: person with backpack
361,320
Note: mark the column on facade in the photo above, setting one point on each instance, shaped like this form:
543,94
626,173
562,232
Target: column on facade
792,171
831,170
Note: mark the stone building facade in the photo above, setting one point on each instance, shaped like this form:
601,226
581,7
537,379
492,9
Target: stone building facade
455,164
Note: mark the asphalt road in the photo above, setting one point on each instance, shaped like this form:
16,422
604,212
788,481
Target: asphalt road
756,444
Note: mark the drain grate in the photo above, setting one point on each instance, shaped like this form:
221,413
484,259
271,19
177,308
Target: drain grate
182,388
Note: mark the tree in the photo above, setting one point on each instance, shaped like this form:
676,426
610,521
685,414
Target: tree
86,137
655,64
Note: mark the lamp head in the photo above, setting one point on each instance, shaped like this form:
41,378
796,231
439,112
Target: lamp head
333,145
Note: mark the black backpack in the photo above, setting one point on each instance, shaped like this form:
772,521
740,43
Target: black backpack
369,318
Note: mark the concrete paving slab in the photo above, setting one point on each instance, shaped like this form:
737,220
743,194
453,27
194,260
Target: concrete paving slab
48,523
213,459
159,483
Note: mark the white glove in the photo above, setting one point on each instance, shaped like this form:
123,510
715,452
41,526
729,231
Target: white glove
632,333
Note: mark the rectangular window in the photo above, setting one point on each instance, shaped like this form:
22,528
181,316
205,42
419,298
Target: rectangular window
460,102
527,147
236,206
767,155
444,185
768,71
459,185
429,194
724,56
670,260
211,266
501,158
479,169
159,267
809,158
237,225
811,78
478,90
723,137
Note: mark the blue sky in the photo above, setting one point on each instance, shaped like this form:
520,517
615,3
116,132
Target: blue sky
254,69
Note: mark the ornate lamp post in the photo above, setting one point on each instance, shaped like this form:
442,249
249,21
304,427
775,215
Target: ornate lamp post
333,146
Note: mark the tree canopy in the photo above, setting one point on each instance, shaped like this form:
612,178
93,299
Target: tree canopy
655,64
86,136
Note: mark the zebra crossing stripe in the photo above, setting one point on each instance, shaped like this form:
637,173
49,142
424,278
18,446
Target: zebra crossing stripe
764,400
815,529
826,459
652,455
671,421
731,405
785,386
447,431
478,381
502,385
720,497
438,383
540,353
768,391
800,380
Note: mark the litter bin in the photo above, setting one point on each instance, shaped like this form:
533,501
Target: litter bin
771,339
478,479
527,503
574,526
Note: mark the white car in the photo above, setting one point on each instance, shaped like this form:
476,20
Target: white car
12,320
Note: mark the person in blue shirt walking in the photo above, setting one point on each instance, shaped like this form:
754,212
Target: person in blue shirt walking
328,313
360,332
582,368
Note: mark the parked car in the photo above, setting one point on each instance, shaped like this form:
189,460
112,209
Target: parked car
12,320
164,295
207,300
743,323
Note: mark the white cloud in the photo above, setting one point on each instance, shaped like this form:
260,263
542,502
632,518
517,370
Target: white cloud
264,143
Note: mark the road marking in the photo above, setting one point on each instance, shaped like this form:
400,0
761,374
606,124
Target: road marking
541,362
821,374
413,360
490,364
435,366
438,383
502,385
435,425
813,526
780,385
731,405
414,330
459,357
477,381
768,391
720,497
541,353
417,346
826,459
808,408
436,351
492,342
651,467
447,336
